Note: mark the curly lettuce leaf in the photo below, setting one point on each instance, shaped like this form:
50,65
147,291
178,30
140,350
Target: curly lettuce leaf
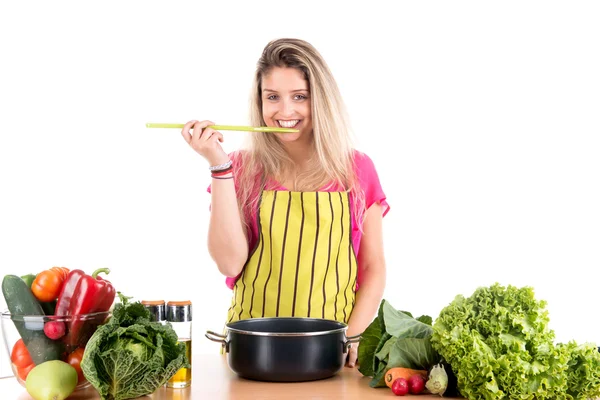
583,372
500,347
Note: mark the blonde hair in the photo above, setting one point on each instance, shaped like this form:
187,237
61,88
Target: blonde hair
265,156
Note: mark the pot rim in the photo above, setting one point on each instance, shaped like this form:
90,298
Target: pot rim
342,329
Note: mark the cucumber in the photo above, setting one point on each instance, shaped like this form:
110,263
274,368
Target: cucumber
21,301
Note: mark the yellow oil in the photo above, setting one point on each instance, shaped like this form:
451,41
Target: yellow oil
183,377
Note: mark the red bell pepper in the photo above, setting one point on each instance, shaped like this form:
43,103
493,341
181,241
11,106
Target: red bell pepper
68,289
83,294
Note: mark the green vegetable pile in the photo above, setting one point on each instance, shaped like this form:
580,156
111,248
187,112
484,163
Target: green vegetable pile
495,344
395,339
132,356
499,346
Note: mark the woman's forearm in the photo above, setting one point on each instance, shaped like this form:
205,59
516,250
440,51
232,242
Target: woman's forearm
227,243
368,299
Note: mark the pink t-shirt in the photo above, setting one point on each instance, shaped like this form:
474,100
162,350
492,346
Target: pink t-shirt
368,181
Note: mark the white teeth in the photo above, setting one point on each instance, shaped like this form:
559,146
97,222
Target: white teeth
288,124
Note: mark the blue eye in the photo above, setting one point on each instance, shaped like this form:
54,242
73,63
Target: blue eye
300,97
272,97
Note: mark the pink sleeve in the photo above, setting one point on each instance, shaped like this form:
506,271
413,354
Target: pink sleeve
369,181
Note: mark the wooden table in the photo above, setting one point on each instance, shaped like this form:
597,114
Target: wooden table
213,380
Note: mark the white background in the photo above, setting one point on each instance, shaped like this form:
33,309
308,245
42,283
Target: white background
482,119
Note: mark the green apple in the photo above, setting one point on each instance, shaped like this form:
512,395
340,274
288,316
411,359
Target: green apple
51,380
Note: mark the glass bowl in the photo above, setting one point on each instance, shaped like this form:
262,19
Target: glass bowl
27,331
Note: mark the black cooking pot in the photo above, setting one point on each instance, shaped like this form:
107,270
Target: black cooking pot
285,349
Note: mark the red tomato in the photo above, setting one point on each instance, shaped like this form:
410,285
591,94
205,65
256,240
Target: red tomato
20,355
21,359
75,360
47,284
23,372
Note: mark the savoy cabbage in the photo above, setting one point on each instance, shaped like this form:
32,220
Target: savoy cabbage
131,356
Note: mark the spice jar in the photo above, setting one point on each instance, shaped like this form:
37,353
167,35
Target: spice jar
157,310
179,314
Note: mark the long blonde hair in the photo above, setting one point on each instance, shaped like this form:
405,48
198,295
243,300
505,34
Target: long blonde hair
265,156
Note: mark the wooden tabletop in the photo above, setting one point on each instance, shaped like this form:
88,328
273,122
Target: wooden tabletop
213,380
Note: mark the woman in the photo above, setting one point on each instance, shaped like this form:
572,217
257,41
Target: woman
296,218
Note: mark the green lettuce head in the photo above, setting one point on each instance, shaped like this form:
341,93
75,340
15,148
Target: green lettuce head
132,356
500,347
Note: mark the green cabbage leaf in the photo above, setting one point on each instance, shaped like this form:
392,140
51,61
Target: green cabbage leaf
395,339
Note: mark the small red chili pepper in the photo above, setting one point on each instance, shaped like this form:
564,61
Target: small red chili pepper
84,294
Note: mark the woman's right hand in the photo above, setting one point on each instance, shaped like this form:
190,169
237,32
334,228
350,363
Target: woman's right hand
205,141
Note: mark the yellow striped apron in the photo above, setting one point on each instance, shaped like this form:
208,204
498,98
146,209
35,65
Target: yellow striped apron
303,264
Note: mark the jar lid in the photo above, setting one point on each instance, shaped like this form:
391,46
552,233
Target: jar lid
179,311
153,302
179,303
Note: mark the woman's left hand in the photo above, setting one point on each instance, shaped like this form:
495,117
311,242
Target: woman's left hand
352,355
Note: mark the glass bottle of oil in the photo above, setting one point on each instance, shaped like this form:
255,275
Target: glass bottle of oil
179,314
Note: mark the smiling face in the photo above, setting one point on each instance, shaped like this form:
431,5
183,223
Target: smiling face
286,102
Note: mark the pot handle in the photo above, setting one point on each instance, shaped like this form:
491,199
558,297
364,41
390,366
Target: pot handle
216,337
353,339
350,340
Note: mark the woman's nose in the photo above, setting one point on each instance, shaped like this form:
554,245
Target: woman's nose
286,108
